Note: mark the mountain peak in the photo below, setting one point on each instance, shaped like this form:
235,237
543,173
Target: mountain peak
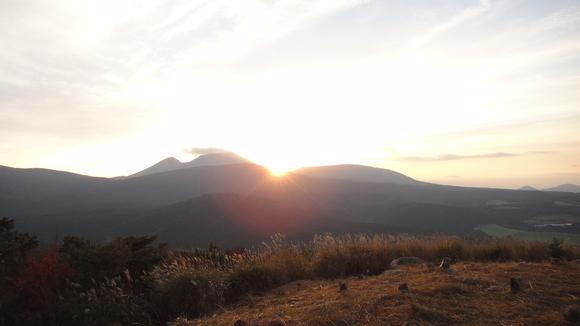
528,188
171,163
221,158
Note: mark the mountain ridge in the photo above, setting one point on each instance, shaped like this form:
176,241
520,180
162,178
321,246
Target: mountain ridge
358,173
171,163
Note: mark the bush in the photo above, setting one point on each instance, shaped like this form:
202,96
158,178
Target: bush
251,279
43,282
93,261
556,248
14,249
187,292
107,303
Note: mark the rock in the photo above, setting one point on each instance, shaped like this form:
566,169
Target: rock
403,287
445,263
343,287
557,261
573,316
575,261
360,277
392,272
516,284
407,261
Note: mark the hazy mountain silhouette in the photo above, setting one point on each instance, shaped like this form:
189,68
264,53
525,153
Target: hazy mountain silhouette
171,163
358,173
564,188
37,191
528,188
29,191
70,204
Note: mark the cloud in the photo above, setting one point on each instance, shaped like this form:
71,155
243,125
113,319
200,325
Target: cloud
460,18
541,152
389,150
454,157
203,150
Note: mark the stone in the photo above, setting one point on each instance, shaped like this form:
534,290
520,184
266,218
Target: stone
516,284
573,316
407,261
392,272
403,287
360,277
557,261
445,263
343,287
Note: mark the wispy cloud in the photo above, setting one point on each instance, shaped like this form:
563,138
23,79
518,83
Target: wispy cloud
467,14
454,157
203,150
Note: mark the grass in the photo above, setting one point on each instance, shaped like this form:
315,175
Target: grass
495,230
294,284
467,294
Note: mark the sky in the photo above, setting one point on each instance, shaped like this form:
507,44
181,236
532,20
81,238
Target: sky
468,93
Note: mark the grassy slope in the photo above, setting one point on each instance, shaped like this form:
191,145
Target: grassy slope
466,294
495,230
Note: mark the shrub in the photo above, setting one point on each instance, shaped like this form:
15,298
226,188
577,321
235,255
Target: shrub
14,249
556,248
251,279
93,261
187,292
104,304
43,281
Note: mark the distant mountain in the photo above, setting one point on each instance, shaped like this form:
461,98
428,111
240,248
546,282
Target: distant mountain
528,188
564,188
171,163
358,173
62,203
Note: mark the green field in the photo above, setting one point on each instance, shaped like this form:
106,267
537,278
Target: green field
495,230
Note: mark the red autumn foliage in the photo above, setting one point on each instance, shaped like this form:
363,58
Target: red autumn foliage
44,280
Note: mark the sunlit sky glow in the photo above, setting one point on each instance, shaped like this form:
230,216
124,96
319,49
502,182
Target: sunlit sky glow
471,93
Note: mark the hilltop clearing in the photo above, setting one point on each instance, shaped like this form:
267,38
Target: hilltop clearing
466,294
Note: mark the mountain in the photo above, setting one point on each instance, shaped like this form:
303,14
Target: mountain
171,163
564,188
29,191
528,188
227,220
193,205
358,173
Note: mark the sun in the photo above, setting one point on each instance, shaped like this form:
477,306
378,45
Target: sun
277,171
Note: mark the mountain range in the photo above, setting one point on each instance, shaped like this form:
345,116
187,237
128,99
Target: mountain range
225,199
171,163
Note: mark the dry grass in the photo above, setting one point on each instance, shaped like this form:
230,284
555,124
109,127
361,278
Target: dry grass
470,293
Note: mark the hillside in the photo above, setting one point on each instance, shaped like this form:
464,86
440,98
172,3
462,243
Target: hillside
564,188
465,294
357,173
227,220
50,203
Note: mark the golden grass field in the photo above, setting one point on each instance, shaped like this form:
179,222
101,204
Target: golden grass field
469,293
